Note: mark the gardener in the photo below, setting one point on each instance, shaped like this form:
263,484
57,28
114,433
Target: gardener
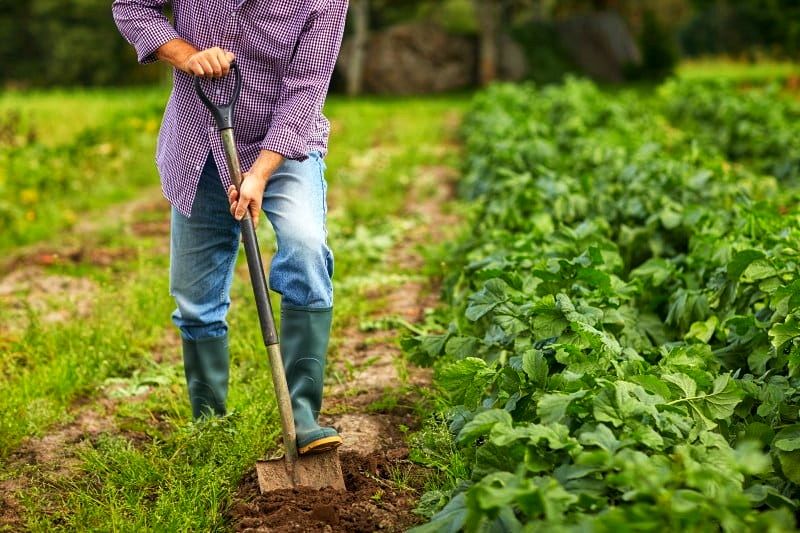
286,51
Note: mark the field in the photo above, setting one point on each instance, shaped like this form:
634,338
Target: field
558,309
620,349
94,430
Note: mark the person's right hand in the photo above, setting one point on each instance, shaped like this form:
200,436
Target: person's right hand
210,63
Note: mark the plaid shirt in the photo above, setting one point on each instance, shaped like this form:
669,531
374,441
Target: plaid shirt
286,51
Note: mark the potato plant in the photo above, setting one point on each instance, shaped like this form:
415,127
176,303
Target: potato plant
621,347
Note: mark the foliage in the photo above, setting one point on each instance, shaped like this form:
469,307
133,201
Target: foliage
49,42
742,27
623,345
744,126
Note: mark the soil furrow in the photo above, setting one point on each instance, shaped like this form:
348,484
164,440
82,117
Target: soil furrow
372,406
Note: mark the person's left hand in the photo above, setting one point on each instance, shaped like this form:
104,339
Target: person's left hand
254,182
249,197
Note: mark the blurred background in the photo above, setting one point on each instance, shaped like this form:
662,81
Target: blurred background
427,46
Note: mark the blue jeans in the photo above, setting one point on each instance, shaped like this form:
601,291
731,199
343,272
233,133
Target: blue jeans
204,247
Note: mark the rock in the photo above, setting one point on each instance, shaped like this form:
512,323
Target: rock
600,44
513,63
415,58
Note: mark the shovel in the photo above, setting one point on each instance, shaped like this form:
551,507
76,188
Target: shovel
313,471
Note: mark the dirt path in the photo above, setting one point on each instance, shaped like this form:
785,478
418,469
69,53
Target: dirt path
25,283
373,406
372,402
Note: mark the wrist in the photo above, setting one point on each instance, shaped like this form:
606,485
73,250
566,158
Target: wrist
266,164
177,52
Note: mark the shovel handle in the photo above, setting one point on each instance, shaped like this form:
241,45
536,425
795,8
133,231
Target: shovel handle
223,115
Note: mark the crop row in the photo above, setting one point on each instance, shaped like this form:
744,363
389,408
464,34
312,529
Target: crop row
621,350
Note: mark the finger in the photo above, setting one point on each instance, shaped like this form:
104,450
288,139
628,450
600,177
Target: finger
216,68
224,62
255,211
233,194
234,206
196,68
207,70
241,208
230,57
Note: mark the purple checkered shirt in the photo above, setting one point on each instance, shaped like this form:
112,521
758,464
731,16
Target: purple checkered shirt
286,50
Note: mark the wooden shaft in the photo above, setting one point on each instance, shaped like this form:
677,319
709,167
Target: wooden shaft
261,293
234,167
284,404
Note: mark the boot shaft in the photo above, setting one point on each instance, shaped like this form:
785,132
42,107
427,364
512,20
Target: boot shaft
206,366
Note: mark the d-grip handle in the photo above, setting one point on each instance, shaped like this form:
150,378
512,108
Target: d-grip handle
223,113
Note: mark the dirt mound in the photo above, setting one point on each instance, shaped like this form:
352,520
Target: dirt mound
372,502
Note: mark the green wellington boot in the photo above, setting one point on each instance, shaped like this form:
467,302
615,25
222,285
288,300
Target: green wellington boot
205,362
304,345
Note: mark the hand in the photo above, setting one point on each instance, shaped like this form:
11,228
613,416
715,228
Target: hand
249,197
210,63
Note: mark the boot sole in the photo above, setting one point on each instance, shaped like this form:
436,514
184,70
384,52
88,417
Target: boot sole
321,445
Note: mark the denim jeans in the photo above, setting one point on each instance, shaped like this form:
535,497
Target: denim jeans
204,247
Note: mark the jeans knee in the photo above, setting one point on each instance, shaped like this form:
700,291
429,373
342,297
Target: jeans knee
305,243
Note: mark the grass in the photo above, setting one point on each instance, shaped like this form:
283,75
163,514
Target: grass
157,471
737,71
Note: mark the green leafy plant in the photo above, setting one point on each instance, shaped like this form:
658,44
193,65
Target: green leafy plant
621,346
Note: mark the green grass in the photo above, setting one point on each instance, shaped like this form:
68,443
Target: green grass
159,471
737,71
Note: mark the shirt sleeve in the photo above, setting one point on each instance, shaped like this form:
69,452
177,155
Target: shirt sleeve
143,24
306,81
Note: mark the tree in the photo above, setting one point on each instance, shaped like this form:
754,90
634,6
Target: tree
359,15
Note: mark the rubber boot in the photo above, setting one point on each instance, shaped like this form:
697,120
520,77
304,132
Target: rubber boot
304,345
205,363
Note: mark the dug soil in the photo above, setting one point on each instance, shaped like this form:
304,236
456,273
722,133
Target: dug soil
383,486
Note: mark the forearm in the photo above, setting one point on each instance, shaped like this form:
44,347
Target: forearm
177,53
266,164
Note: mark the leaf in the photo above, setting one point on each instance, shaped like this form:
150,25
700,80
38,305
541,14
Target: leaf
723,398
652,384
740,261
535,366
556,435
462,347
790,464
788,439
599,340
703,331
466,380
647,436
687,385
553,407
655,269
485,300
780,334
483,423
451,519
601,437
547,320
758,270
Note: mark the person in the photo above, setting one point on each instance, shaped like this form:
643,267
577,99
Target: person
286,52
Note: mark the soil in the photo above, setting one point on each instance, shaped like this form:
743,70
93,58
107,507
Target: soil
372,501
25,283
383,486
50,458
